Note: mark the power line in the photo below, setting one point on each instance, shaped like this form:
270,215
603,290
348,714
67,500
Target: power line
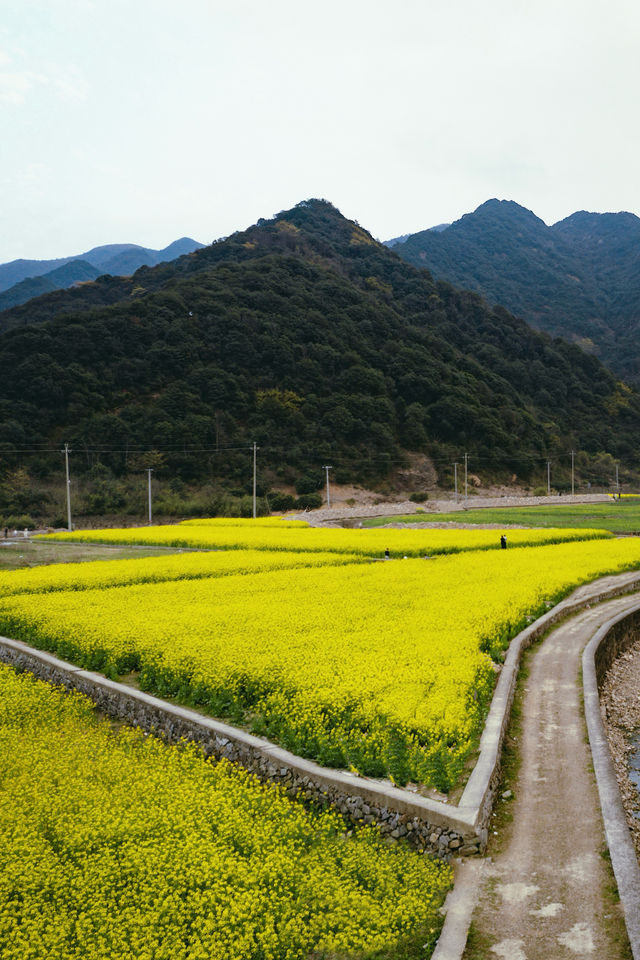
176,449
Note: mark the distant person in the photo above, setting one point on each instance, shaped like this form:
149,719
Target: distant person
6,532
25,533
503,542
387,555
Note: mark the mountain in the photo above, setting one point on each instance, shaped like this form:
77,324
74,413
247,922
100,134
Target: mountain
115,258
396,240
405,236
76,271
579,278
305,335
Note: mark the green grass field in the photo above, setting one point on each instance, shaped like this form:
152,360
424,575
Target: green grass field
20,553
619,516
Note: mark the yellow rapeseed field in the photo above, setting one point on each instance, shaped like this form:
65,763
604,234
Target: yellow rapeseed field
187,566
117,847
384,667
370,542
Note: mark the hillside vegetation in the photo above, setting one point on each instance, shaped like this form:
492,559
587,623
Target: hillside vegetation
579,278
305,335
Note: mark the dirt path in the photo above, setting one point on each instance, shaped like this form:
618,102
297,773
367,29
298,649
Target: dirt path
548,893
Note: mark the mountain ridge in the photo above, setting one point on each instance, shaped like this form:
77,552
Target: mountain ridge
578,278
105,258
69,274
307,336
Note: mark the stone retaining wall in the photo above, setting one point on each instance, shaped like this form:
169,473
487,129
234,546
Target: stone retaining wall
609,642
619,638
432,825
399,813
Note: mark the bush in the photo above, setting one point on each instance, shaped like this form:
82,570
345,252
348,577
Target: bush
246,507
539,491
281,501
309,483
562,486
419,497
310,501
20,522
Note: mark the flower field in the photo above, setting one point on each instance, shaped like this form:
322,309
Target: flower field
188,566
283,535
383,667
117,846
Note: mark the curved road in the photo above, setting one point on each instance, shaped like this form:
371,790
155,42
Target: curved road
547,892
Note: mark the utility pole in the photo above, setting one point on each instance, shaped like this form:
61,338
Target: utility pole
66,462
573,484
326,469
455,481
617,482
255,450
149,472
548,478
466,463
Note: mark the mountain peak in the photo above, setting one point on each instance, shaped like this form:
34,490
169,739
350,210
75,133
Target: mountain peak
578,279
585,227
505,210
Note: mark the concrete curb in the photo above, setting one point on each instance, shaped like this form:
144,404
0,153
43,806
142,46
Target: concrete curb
477,799
459,906
478,793
621,847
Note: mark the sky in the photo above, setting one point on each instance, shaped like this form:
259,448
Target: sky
141,121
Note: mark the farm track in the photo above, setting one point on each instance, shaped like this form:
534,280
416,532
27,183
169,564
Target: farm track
547,887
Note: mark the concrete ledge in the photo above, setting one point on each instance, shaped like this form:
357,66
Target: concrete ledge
476,802
443,829
426,823
609,641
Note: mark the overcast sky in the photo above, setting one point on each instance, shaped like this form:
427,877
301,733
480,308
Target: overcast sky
143,121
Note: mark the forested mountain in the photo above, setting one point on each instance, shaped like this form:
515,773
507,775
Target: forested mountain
76,271
579,278
112,258
307,336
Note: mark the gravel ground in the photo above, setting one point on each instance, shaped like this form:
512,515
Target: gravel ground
362,511
620,700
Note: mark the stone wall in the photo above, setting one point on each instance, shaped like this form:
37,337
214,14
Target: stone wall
618,638
435,826
612,639
398,813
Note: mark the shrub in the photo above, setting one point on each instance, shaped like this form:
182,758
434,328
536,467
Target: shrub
281,501
309,483
419,497
309,501
20,522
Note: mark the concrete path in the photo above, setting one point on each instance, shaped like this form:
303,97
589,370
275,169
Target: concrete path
548,892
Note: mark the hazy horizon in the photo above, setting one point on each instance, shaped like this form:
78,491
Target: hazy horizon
145,123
